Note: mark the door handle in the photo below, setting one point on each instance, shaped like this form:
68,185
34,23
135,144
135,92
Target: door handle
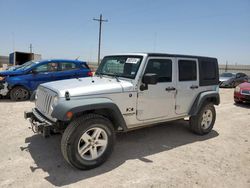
170,89
194,87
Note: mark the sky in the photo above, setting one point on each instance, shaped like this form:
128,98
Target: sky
65,28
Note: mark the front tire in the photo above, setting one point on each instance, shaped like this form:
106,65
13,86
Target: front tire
203,122
88,141
19,93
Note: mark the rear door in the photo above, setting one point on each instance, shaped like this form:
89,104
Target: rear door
187,84
68,70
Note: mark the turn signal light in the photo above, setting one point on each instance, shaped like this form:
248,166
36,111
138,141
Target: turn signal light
69,115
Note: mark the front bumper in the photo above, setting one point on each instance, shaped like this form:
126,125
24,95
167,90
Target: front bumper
241,98
4,88
39,123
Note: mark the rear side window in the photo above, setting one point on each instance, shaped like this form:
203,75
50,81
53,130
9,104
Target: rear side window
67,66
209,72
161,67
85,66
187,70
49,67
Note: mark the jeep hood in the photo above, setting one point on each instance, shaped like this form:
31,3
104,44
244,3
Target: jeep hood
89,86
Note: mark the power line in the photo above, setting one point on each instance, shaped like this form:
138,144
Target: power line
100,20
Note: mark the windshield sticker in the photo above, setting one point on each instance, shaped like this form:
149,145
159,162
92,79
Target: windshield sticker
133,60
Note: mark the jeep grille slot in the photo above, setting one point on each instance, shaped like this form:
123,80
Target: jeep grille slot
44,99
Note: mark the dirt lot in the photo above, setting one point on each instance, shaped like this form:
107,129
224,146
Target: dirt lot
162,156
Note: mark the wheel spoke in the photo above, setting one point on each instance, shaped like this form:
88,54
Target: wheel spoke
84,149
96,133
101,142
93,152
86,137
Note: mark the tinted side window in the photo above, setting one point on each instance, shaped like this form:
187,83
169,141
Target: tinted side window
187,70
208,70
67,66
161,67
50,67
85,66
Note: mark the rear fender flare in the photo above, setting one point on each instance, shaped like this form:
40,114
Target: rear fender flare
207,96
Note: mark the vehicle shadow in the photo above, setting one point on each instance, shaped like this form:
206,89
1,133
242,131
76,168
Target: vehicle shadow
136,144
243,105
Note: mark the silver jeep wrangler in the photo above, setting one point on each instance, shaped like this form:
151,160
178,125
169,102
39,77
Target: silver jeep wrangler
128,91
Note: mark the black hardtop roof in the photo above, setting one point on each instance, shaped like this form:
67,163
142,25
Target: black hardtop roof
178,55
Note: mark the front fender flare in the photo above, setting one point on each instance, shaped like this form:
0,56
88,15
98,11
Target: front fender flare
81,105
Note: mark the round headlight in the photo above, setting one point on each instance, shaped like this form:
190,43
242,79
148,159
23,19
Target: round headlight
55,101
2,78
237,89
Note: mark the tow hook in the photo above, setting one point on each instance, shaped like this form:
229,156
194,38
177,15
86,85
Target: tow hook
43,128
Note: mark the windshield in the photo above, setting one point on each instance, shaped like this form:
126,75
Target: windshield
227,74
121,66
26,65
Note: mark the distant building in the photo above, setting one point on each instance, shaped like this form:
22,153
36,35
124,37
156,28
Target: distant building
4,61
19,58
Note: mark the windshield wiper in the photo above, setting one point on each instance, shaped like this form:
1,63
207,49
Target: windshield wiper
116,77
99,74
112,75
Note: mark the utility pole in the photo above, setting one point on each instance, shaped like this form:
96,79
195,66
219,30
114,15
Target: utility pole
100,20
30,48
226,66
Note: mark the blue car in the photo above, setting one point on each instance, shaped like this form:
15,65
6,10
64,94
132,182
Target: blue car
20,82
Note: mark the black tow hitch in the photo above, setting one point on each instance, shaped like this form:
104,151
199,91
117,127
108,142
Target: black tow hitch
37,126
28,115
42,128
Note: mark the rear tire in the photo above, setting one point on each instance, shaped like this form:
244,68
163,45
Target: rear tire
203,122
88,141
19,93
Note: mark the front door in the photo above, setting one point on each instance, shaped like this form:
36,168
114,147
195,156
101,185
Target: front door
43,73
158,100
187,84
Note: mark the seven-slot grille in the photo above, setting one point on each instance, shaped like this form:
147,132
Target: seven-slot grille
44,99
245,92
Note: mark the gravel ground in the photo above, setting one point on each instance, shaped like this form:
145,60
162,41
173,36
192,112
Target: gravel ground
167,155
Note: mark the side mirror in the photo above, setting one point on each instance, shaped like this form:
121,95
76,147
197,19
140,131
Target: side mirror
148,79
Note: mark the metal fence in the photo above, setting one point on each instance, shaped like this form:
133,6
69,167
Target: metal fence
235,68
